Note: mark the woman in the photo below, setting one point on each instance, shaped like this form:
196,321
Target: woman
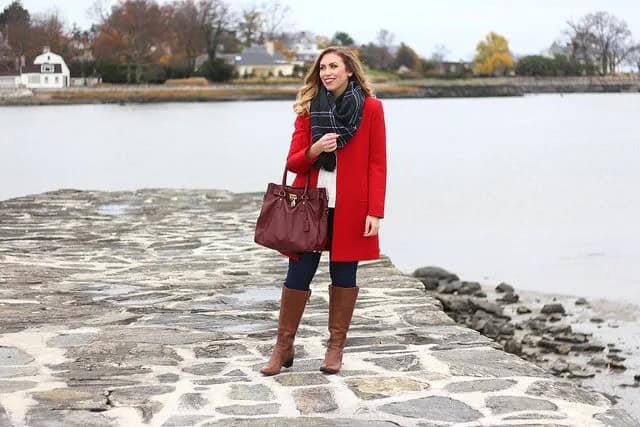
339,140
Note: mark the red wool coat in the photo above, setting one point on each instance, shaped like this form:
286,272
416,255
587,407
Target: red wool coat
360,181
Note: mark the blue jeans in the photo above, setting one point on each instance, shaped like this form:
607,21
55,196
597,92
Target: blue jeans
301,271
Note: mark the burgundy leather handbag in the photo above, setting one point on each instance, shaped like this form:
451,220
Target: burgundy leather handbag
293,219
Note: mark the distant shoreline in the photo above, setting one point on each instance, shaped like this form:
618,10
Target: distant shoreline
427,88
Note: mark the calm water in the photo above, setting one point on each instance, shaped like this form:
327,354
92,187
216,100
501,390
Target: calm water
541,191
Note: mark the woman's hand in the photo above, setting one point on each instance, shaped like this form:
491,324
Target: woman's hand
326,144
371,226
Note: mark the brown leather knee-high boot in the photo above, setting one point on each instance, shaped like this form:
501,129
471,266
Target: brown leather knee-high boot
292,305
342,301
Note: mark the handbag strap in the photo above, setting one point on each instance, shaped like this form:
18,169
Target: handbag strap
306,184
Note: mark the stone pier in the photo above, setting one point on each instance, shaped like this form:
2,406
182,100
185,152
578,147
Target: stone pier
155,308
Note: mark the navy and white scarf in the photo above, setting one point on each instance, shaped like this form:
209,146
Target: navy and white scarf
342,116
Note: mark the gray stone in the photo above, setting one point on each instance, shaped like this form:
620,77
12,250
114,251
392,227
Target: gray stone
168,378
504,288
13,386
70,340
18,371
616,418
566,391
314,399
299,422
408,362
222,350
4,418
204,369
487,362
136,395
380,387
185,420
483,386
433,408
251,392
536,416
420,317
260,409
506,404
434,273
12,356
295,379
41,416
192,401
552,308
72,398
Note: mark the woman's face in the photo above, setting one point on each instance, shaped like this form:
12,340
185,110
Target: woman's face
334,74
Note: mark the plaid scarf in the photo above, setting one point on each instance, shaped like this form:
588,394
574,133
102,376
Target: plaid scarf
342,116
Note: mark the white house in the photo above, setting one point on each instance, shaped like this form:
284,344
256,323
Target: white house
49,71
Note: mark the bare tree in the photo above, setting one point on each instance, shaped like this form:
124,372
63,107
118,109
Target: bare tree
98,12
600,39
187,36
439,53
634,58
274,15
385,38
251,25
215,19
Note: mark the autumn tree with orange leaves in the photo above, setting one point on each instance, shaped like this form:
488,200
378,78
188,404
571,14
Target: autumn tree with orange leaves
132,34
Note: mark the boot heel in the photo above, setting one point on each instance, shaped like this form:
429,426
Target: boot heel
288,363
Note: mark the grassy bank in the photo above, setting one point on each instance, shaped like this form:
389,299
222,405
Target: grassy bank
286,89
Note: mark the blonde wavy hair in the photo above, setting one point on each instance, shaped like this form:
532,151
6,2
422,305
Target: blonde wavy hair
312,80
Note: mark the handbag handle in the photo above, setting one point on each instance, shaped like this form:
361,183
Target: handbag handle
306,184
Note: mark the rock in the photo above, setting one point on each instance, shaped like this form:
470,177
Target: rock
433,408
12,356
598,361
368,388
587,347
596,320
192,402
298,379
489,307
244,410
430,284
258,392
581,301
205,369
434,273
581,373
513,346
506,404
559,367
523,310
504,288
314,399
566,391
636,378
509,298
616,418
484,362
469,288
403,363
552,308
480,294
449,287
483,386
221,350
555,317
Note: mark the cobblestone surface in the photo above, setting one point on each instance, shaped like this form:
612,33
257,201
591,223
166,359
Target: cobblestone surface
155,307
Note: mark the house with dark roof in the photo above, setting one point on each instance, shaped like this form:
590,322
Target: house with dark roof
262,61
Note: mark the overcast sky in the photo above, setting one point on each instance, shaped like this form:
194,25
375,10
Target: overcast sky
529,26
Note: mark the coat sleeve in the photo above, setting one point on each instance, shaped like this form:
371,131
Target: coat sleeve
297,160
377,164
